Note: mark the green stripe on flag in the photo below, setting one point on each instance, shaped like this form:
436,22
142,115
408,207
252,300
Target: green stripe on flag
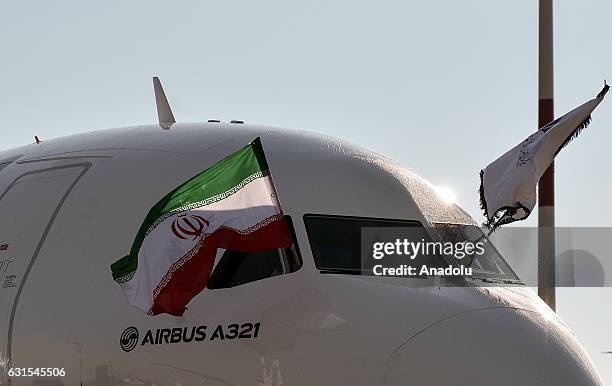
213,184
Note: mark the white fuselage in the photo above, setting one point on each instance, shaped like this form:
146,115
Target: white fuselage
70,207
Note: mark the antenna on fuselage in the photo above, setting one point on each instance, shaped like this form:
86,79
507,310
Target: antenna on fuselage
164,112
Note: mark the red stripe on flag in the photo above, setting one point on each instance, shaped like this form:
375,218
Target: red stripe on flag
192,276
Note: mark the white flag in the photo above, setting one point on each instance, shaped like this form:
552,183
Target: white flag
508,184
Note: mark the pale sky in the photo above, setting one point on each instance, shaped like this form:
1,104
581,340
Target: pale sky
442,86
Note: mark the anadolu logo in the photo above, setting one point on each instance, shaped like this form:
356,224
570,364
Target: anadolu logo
189,226
129,339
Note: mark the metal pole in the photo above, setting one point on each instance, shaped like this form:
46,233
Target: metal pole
546,186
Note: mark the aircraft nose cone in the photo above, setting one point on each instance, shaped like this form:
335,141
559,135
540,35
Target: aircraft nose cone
495,346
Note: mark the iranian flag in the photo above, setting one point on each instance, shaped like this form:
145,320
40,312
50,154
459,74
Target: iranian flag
230,205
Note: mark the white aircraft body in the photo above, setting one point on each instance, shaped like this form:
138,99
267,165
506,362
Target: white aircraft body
70,207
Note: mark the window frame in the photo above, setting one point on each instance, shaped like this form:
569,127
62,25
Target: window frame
347,217
283,255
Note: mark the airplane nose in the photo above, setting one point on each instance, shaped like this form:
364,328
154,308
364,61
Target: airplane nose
494,346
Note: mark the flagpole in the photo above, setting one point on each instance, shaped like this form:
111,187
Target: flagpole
280,209
546,186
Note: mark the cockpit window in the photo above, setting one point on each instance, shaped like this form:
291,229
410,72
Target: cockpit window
236,268
489,265
336,241
337,245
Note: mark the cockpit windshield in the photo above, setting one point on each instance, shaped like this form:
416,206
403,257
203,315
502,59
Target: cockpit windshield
488,265
343,244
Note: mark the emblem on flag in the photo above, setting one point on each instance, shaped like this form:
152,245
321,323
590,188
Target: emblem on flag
192,226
